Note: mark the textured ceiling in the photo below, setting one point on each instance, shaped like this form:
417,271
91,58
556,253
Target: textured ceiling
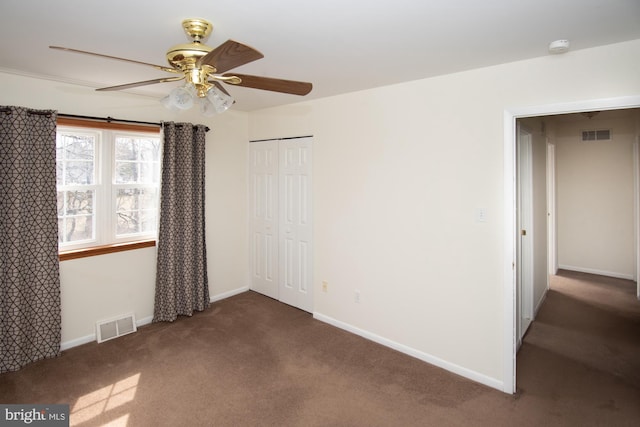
340,46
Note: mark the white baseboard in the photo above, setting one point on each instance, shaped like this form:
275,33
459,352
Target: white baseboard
539,304
144,321
228,294
598,272
425,357
76,342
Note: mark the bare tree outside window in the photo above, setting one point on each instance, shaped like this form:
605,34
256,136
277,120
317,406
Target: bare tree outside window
137,165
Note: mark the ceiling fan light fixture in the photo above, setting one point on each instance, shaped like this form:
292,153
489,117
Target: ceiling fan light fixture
220,100
180,98
185,97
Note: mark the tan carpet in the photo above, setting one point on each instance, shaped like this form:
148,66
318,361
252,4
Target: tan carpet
252,361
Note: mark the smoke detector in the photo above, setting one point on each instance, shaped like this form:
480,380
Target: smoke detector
559,46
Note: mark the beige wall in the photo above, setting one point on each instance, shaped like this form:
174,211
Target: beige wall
595,197
398,174
105,286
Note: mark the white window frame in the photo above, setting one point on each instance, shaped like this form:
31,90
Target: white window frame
105,216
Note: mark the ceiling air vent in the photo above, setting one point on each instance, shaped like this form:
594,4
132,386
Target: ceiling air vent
114,328
596,135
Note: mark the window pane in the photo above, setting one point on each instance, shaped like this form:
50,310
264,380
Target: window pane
137,172
126,172
75,158
76,228
75,146
137,160
78,173
75,215
126,149
144,221
141,148
78,203
136,210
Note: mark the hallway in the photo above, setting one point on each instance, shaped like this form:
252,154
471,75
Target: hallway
582,352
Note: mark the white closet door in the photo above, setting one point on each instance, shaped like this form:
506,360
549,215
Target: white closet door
263,206
281,226
295,224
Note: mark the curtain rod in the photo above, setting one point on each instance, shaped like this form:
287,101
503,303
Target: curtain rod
103,119
111,119
107,119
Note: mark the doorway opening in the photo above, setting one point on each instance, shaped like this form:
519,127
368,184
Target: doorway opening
512,232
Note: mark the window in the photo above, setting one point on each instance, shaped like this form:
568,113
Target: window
108,180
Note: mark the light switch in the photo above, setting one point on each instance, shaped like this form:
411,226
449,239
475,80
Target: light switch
481,215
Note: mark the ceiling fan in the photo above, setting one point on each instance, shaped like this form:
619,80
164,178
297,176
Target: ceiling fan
204,69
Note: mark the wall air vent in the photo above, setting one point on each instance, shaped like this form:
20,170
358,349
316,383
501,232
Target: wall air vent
114,328
596,135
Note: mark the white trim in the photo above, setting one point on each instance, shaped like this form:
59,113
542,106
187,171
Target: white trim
596,271
636,206
78,341
425,357
510,116
228,294
509,272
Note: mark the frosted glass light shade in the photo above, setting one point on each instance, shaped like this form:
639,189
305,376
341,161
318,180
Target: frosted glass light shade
220,100
206,107
178,99
184,97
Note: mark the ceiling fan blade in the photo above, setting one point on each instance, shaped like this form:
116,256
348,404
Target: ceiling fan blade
144,83
158,67
228,55
275,85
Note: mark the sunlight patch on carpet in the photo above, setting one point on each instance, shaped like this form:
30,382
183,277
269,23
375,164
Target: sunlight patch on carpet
105,399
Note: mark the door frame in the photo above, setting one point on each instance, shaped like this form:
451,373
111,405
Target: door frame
510,231
636,203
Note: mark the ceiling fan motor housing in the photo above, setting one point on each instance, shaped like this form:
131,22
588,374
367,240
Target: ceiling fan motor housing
185,56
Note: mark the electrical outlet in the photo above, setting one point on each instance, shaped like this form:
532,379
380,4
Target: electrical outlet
325,286
356,297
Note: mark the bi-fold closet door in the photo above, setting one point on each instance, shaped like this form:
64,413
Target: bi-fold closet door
280,220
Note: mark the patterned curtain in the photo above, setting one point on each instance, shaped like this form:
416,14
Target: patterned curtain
181,280
30,327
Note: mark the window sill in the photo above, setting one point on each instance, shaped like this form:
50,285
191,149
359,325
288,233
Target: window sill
106,249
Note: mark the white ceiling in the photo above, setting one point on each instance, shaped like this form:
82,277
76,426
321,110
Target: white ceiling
338,45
